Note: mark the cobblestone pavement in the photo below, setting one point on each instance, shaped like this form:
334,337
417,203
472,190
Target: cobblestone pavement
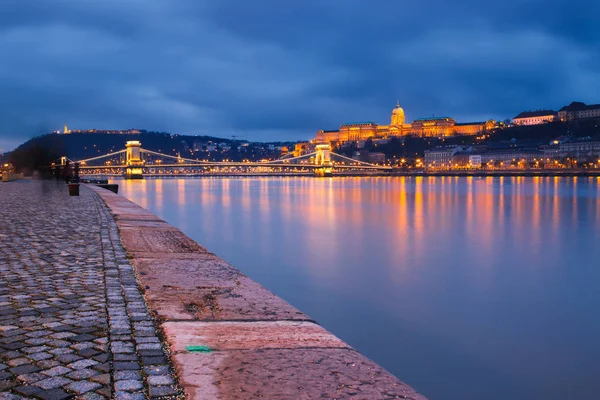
73,322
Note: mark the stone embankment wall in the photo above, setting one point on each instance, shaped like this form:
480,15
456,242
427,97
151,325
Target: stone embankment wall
231,338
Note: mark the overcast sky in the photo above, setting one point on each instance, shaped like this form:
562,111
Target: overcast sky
282,69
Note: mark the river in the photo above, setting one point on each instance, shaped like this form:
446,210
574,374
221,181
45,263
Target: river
465,288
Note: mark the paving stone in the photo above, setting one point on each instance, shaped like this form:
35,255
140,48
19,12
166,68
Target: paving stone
88,352
83,386
161,391
129,396
5,375
106,392
151,353
38,341
26,391
83,374
82,364
125,357
83,345
61,351
9,355
47,364
154,360
104,367
6,385
53,394
24,369
103,379
128,375
40,356
52,383
18,361
157,380
125,365
147,340
91,396
31,378
56,371
14,345
66,284
129,385
9,396
157,370
82,338
101,358
68,358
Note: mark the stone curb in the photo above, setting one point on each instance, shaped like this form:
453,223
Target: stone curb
230,337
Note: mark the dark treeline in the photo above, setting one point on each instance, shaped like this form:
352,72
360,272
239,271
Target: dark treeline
546,132
35,154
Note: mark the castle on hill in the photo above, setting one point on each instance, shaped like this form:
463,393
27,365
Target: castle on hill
421,127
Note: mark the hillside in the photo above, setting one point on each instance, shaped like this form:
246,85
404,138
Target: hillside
41,150
544,133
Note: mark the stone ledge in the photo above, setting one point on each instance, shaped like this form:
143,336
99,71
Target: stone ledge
260,345
288,374
253,335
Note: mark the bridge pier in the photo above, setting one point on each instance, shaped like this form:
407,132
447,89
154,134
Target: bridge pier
323,158
132,172
323,172
134,160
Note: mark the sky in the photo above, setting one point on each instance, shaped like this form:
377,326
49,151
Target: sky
283,69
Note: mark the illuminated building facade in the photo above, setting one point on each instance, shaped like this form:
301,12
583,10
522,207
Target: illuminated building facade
422,127
580,149
441,157
67,131
578,110
535,117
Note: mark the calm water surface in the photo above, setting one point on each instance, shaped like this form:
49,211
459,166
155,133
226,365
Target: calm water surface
465,288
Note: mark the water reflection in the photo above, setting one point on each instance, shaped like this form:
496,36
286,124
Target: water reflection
488,283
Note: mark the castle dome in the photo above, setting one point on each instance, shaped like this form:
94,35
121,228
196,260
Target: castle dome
398,115
398,110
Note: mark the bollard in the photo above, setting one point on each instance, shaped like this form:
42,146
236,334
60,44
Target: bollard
75,173
73,189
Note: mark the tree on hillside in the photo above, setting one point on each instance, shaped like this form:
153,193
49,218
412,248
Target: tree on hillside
35,155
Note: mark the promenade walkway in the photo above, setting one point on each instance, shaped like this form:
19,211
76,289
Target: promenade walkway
73,322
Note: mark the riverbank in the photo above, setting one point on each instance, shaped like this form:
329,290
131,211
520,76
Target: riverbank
480,173
230,337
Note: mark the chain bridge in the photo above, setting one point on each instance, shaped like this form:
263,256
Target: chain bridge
135,162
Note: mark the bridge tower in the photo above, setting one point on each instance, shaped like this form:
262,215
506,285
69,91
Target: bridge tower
323,159
135,164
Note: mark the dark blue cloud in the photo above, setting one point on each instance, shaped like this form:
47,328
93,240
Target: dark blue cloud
270,69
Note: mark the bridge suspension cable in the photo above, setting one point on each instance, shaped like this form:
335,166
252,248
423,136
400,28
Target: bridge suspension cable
293,158
168,156
87,160
354,161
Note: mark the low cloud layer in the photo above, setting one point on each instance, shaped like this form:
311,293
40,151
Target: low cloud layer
268,69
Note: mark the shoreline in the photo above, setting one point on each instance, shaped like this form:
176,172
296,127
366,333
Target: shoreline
249,343
527,173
